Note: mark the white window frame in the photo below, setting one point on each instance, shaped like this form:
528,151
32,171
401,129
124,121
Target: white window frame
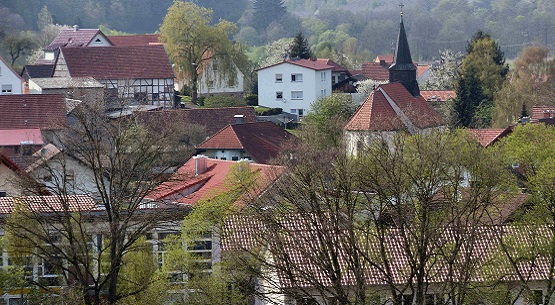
297,77
323,76
279,78
297,95
6,89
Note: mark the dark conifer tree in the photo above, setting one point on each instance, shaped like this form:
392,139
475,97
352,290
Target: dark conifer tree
299,48
266,12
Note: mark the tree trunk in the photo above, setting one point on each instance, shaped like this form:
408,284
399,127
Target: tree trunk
194,89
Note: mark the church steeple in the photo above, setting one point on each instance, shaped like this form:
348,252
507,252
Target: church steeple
402,69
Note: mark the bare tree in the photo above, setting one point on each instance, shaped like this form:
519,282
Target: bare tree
89,246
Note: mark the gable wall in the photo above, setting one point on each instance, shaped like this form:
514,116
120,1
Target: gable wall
9,79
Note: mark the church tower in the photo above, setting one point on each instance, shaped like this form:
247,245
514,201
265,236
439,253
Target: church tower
402,69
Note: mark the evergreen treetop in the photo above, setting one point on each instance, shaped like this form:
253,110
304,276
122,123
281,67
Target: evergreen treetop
299,48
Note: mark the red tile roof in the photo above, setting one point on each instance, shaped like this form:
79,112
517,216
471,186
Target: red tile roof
134,40
263,141
47,204
375,71
73,38
421,69
488,136
118,62
387,58
185,187
377,114
306,63
542,112
27,111
336,67
213,119
438,95
17,137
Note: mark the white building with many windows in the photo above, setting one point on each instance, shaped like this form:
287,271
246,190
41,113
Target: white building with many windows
294,84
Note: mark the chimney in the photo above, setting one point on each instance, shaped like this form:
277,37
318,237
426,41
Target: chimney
75,28
200,164
239,119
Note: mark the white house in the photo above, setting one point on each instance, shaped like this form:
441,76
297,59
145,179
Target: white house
294,84
10,81
212,81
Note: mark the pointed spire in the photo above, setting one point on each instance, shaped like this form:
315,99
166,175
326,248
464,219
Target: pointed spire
402,69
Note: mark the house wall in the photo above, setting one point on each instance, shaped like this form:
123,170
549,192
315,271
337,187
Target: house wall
157,91
211,82
312,85
10,82
226,154
9,181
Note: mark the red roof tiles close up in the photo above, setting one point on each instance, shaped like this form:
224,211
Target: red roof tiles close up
378,114
134,40
27,111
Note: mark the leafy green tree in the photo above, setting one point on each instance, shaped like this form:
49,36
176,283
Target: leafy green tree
484,68
299,48
324,123
44,18
529,83
192,42
19,44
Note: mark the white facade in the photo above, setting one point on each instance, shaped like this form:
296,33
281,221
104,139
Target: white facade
292,87
212,82
10,82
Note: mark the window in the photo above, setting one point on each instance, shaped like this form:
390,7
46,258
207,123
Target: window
155,96
323,76
296,95
210,84
323,92
301,112
294,111
235,158
297,77
279,95
279,78
6,89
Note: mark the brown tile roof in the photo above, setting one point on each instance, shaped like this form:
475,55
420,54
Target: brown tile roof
118,62
377,114
134,40
73,38
388,59
17,137
47,204
336,67
438,95
542,112
306,63
421,69
375,71
488,136
24,111
213,119
263,141
186,187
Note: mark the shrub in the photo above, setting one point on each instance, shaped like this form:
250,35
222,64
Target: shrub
219,101
251,99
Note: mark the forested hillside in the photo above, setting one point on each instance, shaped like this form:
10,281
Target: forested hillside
355,29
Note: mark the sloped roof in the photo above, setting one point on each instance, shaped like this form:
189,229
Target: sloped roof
16,137
47,204
375,71
213,119
134,40
402,59
186,187
263,141
336,67
377,114
306,63
67,82
38,71
421,69
542,112
388,59
26,111
10,67
118,62
488,136
73,38
438,95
